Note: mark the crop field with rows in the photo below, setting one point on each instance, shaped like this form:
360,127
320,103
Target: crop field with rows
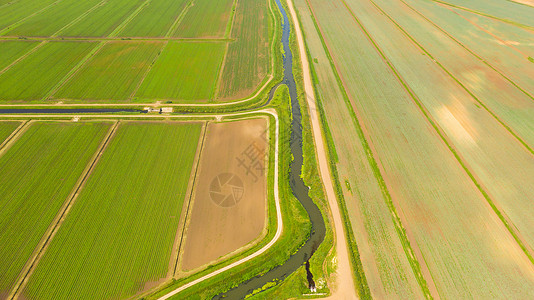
38,172
77,41
118,237
437,174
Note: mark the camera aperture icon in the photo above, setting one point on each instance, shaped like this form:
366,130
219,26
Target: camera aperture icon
226,189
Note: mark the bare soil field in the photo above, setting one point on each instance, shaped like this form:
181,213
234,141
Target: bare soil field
229,197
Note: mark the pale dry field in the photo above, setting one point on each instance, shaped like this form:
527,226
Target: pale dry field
219,225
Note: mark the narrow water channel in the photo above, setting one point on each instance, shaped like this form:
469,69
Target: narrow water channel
299,189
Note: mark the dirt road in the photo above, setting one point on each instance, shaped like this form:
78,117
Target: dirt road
344,287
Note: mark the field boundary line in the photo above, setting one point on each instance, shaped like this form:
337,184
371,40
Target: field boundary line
179,19
73,71
80,17
473,52
16,61
127,21
230,24
8,3
45,241
185,213
219,76
280,225
134,92
229,31
485,15
418,267
16,24
504,219
14,136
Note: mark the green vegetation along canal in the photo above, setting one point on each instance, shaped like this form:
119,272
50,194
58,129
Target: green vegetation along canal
299,189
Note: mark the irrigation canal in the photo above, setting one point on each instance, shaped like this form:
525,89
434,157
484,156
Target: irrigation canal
299,189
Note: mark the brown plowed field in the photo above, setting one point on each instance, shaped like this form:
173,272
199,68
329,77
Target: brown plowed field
229,197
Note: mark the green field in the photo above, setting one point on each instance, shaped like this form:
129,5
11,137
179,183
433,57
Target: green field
248,59
113,73
37,74
104,20
156,19
432,191
205,19
18,10
6,128
120,232
12,50
52,20
38,172
184,71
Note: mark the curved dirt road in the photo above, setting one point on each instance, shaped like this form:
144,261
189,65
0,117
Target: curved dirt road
344,287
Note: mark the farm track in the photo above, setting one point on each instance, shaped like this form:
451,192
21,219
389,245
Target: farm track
412,251
345,288
58,220
461,160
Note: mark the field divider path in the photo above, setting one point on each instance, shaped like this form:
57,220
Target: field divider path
410,247
485,15
127,21
9,3
473,52
230,24
14,136
179,19
227,34
187,211
74,70
504,219
32,50
80,17
14,25
167,35
59,219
